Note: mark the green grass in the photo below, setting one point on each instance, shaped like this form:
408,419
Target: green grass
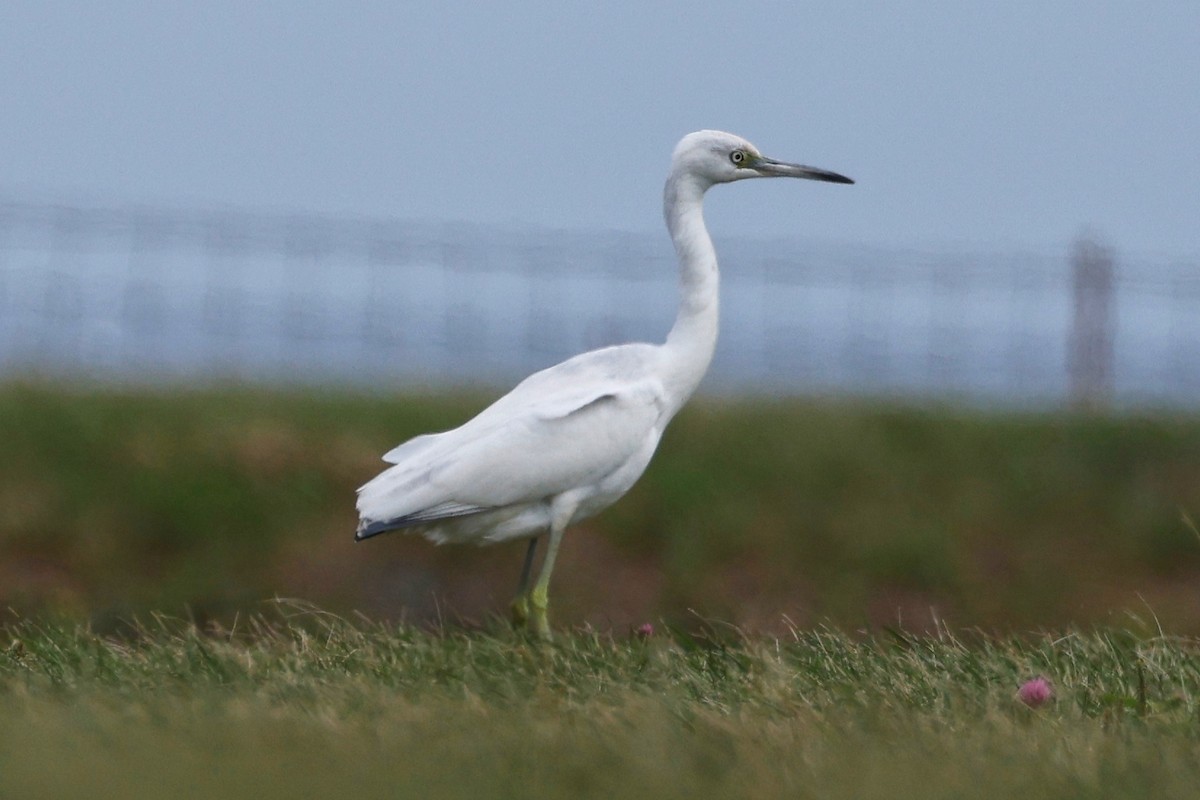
120,501
310,705
805,518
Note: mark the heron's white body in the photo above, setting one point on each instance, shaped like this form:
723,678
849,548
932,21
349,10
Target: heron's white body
593,422
570,440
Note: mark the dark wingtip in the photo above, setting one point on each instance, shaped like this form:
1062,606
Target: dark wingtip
372,529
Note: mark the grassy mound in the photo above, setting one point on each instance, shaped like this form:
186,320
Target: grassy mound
114,502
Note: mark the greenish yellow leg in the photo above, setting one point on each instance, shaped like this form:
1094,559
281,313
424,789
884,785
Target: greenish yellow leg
519,609
520,603
539,598
539,601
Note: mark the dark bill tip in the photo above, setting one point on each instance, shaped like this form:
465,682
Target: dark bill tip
832,177
815,174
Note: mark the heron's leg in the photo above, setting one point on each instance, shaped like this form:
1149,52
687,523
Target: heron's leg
520,603
539,598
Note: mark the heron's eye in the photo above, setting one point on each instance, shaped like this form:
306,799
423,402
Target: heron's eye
738,157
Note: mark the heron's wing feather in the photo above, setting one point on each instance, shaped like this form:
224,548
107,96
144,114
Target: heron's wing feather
563,428
548,450
410,448
564,387
443,511
555,391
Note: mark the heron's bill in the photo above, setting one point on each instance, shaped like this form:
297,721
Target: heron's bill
782,169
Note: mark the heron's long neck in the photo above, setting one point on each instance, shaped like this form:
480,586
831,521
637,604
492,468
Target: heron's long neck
690,344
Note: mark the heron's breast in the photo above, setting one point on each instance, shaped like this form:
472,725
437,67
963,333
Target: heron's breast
613,486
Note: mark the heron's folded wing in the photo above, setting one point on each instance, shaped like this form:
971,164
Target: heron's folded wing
548,448
559,429
530,455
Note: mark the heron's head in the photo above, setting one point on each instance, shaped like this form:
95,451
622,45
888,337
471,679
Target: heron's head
719,157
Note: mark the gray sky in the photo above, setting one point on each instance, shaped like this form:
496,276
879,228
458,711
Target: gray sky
996,124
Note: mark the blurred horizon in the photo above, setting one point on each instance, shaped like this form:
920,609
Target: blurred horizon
165,294
461,194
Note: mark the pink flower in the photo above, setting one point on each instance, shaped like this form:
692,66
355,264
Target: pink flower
644,631
1036,692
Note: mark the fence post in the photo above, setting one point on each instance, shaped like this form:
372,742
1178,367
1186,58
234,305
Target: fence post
1093,326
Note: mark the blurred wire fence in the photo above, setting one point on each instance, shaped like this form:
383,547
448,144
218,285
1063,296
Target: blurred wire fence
153,294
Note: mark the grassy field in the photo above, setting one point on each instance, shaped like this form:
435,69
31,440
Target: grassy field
309,705
761,536
208,502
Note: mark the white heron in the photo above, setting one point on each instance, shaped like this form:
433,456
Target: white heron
570,440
